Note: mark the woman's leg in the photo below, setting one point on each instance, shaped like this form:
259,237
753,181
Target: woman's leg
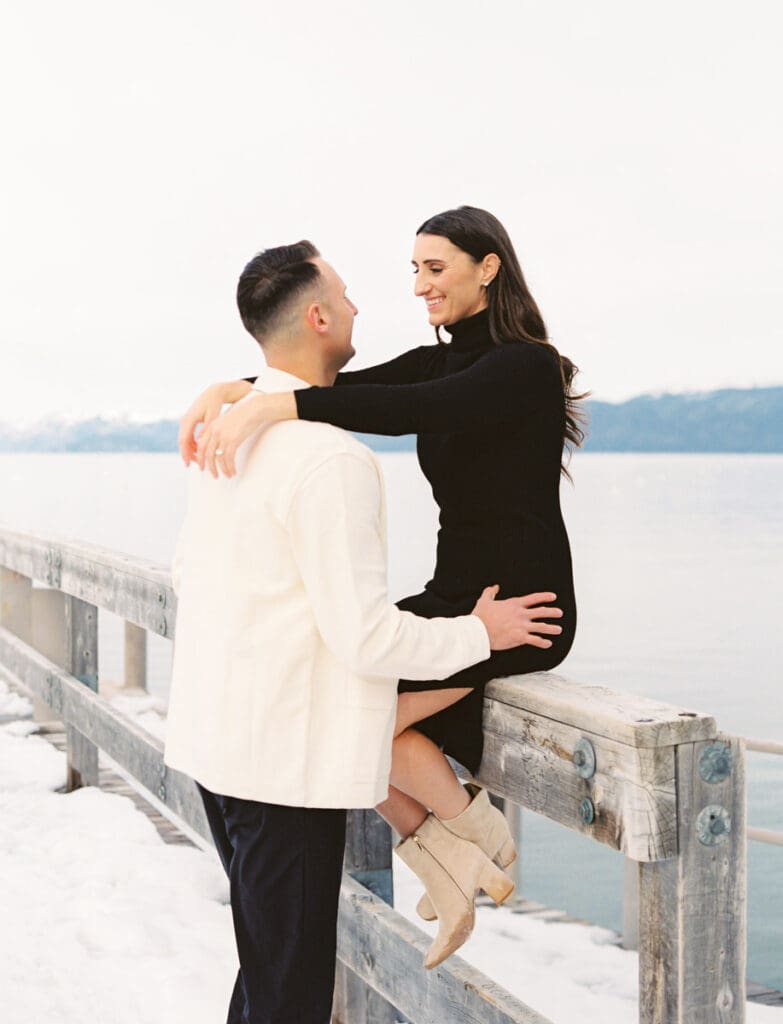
416,705
421,777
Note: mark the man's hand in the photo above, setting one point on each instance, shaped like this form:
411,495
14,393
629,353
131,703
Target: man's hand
204,410
517,620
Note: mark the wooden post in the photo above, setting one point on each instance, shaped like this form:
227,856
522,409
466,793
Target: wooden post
368,858
81,635
631,904
513,813
65,630
135,656
692,925
16,614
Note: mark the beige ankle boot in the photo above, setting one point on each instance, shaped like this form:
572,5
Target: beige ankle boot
484,825
452,870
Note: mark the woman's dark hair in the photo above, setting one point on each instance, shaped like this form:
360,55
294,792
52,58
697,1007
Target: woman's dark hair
513,313
271,281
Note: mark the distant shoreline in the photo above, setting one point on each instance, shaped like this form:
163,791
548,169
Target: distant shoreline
732,420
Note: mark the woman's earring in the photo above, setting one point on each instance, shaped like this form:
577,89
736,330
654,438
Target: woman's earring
485,284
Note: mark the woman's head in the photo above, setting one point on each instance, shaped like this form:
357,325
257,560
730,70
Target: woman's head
452,283
464,262
483,272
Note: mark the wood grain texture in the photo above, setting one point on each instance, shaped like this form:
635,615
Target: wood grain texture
692,908
387,951
625,717
16,614
80,625
135,652
138,752
529,759
368,859
133,588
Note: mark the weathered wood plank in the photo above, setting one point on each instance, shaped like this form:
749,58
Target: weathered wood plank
16,602
529,759
139,753
368,859
16,614
625,717
387,951
368,852
80,625
135,589
135,674
631,904
692,909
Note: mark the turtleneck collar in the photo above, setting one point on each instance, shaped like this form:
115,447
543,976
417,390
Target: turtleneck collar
470,333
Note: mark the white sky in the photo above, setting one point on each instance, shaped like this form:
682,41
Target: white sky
150,149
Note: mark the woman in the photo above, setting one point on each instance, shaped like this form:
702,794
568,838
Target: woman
492,410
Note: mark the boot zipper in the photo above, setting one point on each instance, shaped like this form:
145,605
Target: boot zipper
441,866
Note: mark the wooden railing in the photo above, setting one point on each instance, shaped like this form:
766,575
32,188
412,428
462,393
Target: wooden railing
657,782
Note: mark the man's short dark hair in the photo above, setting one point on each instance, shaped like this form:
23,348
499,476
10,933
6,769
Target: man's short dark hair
271,282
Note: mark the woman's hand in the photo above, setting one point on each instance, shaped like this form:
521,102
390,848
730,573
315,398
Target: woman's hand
516,621
204,410
218,442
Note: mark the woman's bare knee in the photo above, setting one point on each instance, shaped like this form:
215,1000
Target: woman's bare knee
416,705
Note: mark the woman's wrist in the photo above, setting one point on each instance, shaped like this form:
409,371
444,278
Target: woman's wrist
231,391
283,405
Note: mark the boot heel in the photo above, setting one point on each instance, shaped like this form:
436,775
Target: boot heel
495,883
507,853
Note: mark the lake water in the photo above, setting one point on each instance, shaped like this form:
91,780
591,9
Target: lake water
679,574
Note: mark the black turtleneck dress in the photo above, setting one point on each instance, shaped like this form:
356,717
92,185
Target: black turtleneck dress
490,421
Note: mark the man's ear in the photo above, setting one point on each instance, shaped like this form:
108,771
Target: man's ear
316,317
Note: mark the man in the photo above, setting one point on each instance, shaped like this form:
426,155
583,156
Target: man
288,651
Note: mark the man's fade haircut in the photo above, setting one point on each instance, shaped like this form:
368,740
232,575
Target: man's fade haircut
271,282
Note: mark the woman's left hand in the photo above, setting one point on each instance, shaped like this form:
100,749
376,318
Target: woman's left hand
204,409
220,439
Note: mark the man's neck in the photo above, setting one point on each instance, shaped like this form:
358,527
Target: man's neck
305,369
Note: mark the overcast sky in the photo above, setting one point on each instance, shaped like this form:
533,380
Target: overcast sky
632,150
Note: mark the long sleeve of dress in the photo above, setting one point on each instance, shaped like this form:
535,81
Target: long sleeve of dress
497,388
403,369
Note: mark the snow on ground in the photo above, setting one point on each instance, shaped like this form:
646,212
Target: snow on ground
103,921
12,704
147,711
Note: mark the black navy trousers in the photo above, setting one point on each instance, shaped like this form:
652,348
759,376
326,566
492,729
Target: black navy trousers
284,865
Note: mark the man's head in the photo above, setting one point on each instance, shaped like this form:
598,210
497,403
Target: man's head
295,305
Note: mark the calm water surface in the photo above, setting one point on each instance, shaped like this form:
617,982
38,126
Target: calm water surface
679,574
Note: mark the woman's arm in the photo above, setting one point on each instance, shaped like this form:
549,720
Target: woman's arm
496,389
403,369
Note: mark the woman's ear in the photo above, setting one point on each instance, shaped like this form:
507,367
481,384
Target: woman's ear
489,266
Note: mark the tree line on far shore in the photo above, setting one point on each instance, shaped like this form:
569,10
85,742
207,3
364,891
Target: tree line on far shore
730,420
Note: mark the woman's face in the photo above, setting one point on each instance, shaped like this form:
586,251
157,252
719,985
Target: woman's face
448,279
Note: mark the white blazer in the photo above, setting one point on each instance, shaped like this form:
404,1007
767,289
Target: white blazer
287,651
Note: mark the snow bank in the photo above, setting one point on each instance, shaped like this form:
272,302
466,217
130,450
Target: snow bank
103,921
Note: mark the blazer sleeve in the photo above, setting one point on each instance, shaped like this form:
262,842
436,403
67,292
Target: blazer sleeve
500,387
334,524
